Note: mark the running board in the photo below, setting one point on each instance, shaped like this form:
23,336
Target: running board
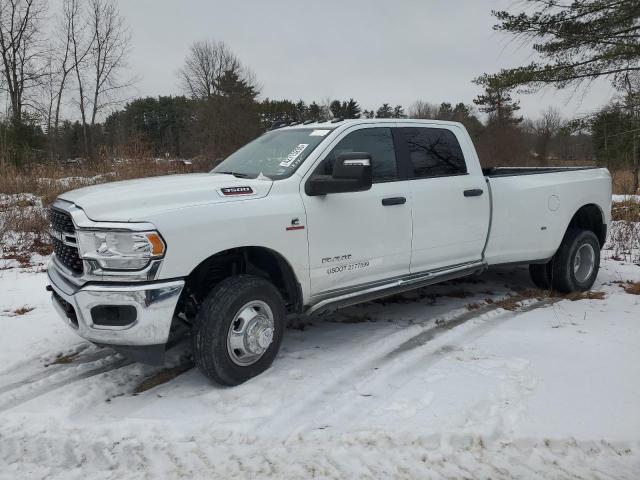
397,286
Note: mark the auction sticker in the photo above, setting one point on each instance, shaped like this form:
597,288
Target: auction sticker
319,133
293,155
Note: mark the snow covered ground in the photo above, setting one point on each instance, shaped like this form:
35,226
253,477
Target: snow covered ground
438,383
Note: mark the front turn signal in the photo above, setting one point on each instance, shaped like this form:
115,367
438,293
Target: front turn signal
157,245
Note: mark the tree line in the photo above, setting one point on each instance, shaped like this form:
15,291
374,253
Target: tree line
76,70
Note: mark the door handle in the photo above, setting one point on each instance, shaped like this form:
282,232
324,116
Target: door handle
474,192
394,201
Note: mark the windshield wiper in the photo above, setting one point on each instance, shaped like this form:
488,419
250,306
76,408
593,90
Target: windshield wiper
236,174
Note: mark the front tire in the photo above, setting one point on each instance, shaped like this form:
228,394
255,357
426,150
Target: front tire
577,262
238,329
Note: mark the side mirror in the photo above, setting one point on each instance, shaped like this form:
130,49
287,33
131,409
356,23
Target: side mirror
352,172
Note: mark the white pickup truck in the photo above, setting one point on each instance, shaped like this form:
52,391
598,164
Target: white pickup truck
305,219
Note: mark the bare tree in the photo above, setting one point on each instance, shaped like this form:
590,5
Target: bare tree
58,64
206,62
629,85
65,55
20,49
545,128
425,110
108,57
99,47
81,45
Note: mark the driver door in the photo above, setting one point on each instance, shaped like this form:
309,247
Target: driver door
356,238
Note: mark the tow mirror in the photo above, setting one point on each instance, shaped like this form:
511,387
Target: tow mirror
352,172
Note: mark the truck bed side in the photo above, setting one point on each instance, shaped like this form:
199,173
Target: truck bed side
532,208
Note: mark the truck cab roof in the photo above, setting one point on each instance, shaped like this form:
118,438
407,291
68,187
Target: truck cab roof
334,124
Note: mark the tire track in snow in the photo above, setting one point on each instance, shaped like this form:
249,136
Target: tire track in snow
419,361
44,382
379,367
53,368
43,360
78,453
81,367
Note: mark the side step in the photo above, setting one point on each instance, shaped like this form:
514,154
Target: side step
392,288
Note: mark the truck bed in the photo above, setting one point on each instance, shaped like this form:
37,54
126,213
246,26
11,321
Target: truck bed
514,171
530,211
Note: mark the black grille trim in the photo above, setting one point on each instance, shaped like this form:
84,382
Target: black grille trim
68,309
67,255
61,221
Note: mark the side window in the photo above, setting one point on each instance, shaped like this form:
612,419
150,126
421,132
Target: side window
433,152
376,141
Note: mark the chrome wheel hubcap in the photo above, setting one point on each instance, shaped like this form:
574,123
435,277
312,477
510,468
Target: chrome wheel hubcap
250,333
584,262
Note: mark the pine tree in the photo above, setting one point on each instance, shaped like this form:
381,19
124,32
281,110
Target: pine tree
576,41
336,109
314,112
385,111
497,102
351,109
229,84
398,112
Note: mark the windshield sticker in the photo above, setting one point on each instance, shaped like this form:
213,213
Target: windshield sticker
319,133
287,162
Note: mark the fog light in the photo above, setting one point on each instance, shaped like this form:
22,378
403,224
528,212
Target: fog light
113,315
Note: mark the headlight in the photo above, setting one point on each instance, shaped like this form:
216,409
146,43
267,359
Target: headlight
120,250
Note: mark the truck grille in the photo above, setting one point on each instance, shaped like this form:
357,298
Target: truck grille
61,221
66,254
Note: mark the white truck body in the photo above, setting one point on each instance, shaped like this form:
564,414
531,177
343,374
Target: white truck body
341,248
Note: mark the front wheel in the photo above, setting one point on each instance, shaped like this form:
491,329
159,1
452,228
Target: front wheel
577,262
238,329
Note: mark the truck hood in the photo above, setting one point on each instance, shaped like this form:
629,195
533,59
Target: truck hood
133,200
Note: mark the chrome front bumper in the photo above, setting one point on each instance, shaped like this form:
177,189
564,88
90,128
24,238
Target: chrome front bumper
154,303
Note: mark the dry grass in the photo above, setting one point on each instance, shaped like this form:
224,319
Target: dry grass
22,310
626,211
49,180
163,376
26,192
632,288
514,301
63,359
624,234
589,295
23,229
622,182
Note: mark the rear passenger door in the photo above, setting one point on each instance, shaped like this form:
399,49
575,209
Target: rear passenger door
450,203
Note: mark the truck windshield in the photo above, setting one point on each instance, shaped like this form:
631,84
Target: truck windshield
275,154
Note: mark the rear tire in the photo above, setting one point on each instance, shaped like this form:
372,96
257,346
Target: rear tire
577,262
541,275
238,329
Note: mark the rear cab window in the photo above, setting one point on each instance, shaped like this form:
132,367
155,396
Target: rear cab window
433,152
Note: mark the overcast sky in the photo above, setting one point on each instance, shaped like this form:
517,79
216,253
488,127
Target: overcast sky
373,50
